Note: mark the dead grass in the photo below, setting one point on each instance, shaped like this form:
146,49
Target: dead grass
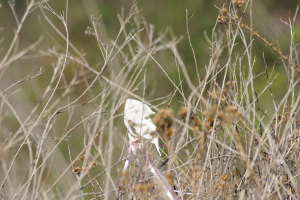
61,130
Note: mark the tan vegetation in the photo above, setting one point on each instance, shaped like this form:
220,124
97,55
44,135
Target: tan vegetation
61,115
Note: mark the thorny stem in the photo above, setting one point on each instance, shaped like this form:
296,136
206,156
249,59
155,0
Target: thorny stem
284,57
224,18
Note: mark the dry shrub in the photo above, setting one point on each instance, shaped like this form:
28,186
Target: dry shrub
224,142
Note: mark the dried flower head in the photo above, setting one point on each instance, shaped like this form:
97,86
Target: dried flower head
218,95
230,83
170,177
81,157
223,17
210,116
77,170
230,114
238,3
194,120
145,190
164,121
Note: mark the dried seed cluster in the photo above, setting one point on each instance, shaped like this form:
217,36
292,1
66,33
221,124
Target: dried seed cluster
86,169
193,120
89,165
218,95
223,17
170,177
164,121
145,190
239,3
229,114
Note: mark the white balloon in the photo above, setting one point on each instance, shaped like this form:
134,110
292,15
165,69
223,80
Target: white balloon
138,122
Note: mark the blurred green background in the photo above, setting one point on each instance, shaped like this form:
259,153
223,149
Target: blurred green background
163,14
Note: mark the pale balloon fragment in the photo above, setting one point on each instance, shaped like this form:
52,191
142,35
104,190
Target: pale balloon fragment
138,122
